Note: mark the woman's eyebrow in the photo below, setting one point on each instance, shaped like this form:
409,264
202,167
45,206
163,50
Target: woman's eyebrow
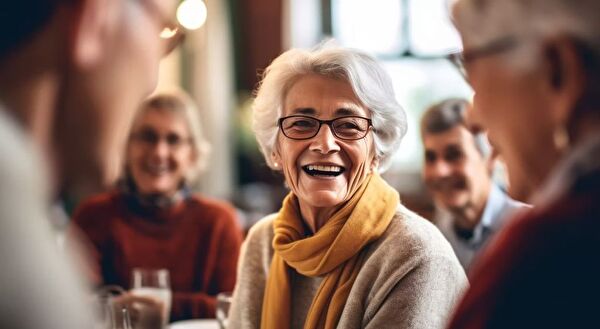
305,110
343,111
347,111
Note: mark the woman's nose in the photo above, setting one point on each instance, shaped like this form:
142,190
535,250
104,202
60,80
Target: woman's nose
325,142
161,148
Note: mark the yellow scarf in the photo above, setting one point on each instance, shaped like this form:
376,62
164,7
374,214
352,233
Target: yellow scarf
334,251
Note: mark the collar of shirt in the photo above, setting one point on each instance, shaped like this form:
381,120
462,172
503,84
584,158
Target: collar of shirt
491,216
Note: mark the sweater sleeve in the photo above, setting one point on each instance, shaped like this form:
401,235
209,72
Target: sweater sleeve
424,297
89,232
226,246
246,308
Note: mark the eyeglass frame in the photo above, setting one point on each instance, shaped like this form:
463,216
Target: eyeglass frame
461,58
327,122
168,24
156,139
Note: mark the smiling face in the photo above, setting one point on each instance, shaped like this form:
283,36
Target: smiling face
455,172
160,152
324,171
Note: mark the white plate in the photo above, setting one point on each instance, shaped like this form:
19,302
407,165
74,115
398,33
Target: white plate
195,324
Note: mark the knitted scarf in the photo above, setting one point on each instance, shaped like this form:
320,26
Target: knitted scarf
336,251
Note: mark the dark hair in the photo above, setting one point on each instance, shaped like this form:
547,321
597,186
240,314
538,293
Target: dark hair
448,114
444,116
21,19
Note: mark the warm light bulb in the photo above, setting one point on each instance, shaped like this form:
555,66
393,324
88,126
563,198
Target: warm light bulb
191,14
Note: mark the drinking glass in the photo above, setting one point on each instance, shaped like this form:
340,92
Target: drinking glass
223,303
153,283
109,313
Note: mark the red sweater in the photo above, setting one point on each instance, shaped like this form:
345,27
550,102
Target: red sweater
542,271
197,240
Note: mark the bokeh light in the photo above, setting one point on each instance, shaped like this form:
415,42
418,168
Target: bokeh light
191,14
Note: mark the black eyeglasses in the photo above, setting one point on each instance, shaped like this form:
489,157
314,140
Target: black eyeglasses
172,34
459,59
304,127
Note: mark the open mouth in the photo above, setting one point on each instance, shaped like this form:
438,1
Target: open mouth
155,169
323,171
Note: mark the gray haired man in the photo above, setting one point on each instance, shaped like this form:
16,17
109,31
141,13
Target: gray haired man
457,171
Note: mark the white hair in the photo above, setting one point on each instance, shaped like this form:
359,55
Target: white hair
483,21
369,81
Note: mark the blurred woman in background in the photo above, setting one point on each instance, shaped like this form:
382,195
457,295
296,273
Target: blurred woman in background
342,252
153,221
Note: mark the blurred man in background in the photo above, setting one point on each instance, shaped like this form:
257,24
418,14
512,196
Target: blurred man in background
457,171
72,72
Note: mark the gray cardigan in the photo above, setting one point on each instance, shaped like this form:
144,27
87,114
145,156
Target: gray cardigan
410,279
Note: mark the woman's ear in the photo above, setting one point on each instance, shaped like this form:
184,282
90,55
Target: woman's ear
90,24
276,160
566,78
194,156
374,165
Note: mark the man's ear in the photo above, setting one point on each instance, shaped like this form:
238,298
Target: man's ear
90,24
565,78
490,162
374,165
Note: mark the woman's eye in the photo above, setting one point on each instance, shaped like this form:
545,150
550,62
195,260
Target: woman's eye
303,123
148,136
348,125
173,140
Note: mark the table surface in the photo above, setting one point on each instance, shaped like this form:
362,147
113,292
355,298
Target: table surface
195,324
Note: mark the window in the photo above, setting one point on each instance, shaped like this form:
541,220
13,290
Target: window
411,37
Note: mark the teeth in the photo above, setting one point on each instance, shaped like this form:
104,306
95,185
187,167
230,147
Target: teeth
157,169
325,168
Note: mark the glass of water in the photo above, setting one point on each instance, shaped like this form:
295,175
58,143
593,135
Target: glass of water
110,314
223,303
153,283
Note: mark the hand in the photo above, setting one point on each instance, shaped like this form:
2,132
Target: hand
145,312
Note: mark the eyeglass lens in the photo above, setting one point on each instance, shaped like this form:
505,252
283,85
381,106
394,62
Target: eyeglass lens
152,138
301,127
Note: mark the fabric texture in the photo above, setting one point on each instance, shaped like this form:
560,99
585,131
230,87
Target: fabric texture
39,284
335,252
542,270
197,240
499,206
408,278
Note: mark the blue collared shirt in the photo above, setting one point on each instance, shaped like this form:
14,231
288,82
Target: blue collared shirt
498,207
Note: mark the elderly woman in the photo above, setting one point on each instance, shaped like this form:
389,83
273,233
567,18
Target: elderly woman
342,252
153,220
535,68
